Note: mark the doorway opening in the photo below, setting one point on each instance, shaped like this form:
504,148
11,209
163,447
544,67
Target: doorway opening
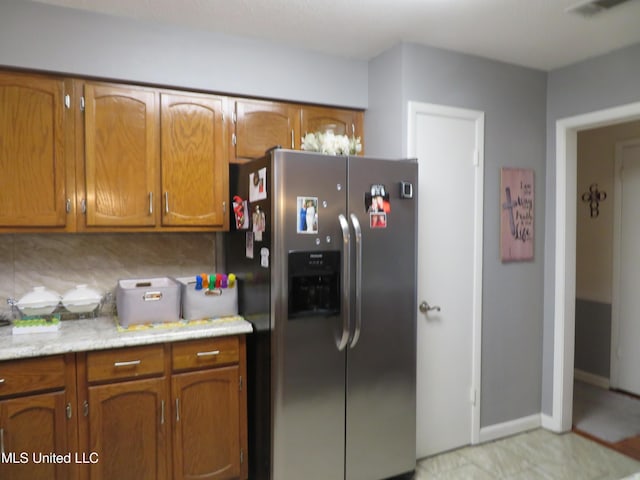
565,255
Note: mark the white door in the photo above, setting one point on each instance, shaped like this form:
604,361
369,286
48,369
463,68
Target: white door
448,143
626,302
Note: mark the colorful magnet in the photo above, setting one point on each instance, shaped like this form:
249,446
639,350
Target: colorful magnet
377,205
241,213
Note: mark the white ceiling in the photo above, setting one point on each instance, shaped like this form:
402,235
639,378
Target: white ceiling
533,33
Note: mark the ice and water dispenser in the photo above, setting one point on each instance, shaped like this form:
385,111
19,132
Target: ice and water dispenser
314,284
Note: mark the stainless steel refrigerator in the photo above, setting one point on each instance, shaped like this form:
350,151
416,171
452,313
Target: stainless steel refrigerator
324,248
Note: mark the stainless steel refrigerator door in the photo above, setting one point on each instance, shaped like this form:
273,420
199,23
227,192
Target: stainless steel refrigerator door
381,366
308,370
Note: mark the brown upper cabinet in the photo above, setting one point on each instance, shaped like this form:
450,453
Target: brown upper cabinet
35,160
93,156
152,159
193,159
121,137
261,125
339,121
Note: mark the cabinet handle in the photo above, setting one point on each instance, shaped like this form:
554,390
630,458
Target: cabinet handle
224,207
69,411
353,129
83,205
162,412
127,364
166,202
292,141
85,408
2,380
208,354
150,203
2,441
68,205
177,409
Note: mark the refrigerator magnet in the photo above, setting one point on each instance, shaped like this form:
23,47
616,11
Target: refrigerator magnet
259,223
307,212
249,244
377,220
377,205
264,257
258,185
377,199
241,213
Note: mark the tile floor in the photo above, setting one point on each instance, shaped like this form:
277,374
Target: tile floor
534,455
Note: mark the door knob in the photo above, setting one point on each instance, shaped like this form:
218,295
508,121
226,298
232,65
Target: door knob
425,307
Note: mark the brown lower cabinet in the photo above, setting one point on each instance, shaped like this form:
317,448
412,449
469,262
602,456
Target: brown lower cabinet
127,433
157,412
37,418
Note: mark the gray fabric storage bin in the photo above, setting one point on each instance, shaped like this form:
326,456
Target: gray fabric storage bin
147,300
198,305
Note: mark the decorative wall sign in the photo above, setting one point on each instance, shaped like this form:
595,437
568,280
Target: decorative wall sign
516,217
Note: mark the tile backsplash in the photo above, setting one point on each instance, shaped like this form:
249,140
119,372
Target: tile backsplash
61,261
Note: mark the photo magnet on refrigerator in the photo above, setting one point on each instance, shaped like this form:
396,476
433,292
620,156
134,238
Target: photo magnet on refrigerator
307,211
377,205
259,223
241,213
258,185
249,244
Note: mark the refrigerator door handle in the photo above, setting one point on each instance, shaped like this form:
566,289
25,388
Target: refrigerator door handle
346,281
358,232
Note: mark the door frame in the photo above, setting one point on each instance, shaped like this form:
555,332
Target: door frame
614,379
565,255
415,108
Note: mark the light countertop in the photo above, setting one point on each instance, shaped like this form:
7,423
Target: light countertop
101,333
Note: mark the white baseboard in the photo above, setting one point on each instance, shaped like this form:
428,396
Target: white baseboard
512,427
591,378
550,423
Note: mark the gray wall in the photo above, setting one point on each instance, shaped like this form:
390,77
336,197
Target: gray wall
43,37
596,84
513,99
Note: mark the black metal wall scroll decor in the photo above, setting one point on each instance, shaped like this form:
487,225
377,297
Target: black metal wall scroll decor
593,197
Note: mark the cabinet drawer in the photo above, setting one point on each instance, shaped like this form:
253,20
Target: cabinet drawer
122,363
31,375
205,353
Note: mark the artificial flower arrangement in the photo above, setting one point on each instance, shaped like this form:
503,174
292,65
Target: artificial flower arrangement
331,144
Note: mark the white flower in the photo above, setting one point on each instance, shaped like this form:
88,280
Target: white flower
331,144
310,142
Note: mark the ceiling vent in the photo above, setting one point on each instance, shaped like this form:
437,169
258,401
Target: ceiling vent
589,8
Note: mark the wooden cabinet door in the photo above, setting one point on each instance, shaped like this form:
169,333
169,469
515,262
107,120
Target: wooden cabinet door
127,429
193,158
121,155
263,125
31,428
206,436
32,151
323,119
